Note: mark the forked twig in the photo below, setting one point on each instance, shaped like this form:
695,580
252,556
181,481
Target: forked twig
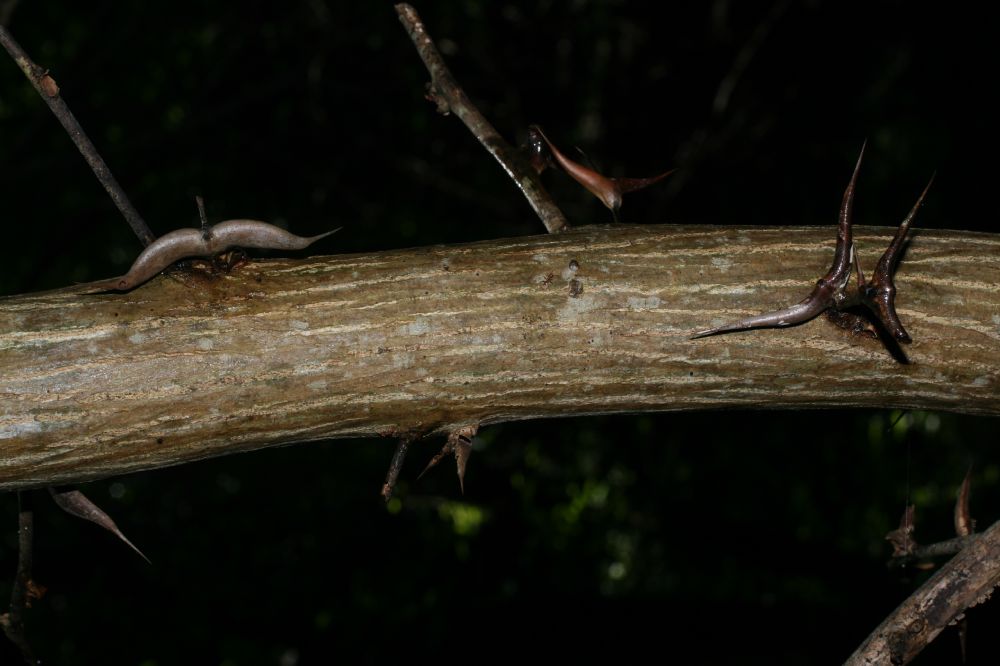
444,90
49,91
965,581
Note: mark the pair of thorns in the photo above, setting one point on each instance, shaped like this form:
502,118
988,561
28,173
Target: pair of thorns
874,296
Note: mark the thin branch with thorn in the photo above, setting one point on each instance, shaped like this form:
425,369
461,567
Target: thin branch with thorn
24,588
449,97
965,581
49,91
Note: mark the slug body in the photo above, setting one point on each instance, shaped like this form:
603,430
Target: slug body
185,243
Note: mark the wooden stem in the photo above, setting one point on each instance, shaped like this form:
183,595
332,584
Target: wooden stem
421,341
966,580
450,97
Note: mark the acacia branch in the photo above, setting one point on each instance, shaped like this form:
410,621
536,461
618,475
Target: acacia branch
450,97
427,340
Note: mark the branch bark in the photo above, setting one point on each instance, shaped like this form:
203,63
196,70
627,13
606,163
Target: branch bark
424,341
965,581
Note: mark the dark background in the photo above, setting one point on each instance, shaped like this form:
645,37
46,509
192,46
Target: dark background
741,537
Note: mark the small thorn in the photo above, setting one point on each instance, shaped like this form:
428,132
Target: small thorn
459,443
463,449
627,185
445,450
901,538
964,524
77,504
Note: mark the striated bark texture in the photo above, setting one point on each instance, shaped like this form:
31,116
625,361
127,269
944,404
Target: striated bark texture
422,341
966,581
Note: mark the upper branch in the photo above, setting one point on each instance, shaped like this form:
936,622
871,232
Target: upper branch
47,88
450,97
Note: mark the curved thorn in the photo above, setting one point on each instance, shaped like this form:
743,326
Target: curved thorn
882,301
796,314
463,449
600,186
626,185
888,261
841,257
445,450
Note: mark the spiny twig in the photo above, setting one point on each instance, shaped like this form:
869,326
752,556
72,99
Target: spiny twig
907,552
49,91
966,580
24,588
444,90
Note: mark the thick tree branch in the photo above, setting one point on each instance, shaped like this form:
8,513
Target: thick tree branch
594,320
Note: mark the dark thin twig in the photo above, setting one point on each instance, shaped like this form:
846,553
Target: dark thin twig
449,96
932,551
49,91
395,466
13,621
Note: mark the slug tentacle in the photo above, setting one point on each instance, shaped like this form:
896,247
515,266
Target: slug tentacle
208,241
261,235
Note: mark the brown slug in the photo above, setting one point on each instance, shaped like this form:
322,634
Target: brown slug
206,242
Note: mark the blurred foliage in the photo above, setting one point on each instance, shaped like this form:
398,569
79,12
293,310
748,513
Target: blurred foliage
746,537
